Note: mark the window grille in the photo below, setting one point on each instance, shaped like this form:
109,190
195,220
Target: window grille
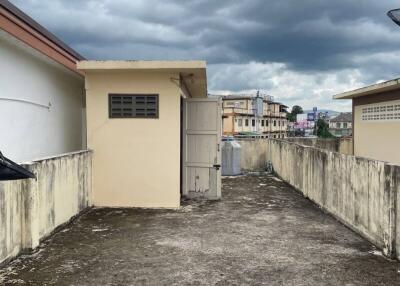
133,105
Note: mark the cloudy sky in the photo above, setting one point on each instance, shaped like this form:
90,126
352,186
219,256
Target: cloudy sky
301,52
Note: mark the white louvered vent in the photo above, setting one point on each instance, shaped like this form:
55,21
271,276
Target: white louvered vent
381,112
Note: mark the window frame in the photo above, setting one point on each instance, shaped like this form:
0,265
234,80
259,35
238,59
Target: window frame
134,95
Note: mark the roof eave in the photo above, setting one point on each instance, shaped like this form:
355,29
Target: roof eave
7,5
368,90
187,69
140,65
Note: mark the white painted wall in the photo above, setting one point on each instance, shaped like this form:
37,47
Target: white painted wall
29,131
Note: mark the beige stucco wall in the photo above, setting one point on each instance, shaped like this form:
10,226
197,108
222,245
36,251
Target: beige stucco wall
136,162
376,140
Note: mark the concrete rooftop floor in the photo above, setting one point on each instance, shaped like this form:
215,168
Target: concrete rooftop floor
262,233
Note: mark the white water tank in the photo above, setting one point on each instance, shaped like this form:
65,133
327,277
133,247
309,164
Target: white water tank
231,158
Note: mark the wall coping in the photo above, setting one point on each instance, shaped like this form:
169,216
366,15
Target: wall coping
58,156
327,152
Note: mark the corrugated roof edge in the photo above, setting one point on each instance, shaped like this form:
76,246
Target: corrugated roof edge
39,28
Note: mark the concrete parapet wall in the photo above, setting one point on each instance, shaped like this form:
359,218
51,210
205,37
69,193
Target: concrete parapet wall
253,154
346,146
340,145
326,144
32,209
362,193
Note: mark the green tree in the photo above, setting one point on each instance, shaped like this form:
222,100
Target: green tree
323,129
296,109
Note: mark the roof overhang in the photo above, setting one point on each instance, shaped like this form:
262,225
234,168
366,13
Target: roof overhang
24,28
192,73
372,89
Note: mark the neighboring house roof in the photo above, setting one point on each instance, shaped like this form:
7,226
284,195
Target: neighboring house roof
27,30
389,85
343,117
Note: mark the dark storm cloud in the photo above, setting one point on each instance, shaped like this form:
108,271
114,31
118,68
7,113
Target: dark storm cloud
342,43
306,34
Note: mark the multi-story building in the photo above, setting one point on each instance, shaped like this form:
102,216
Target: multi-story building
259,116
341,125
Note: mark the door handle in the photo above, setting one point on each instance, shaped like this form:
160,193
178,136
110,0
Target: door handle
217,166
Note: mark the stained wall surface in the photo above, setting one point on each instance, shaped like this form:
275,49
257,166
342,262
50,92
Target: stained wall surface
362,193
32,209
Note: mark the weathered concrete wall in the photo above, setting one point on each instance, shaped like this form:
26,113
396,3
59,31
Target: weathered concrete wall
340,145
253,154
31,209
362,193
326,144
346,146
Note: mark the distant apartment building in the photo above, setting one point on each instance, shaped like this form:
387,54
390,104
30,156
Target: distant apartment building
254,116
341,125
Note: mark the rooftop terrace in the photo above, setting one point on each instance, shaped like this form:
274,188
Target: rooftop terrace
263,232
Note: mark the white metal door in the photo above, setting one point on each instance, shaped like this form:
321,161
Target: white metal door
202,122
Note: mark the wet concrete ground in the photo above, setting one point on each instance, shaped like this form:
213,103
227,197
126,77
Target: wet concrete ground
261,233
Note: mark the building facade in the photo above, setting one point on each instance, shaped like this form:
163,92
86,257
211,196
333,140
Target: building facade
254,116
341,125
154,133
42,109
376,120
